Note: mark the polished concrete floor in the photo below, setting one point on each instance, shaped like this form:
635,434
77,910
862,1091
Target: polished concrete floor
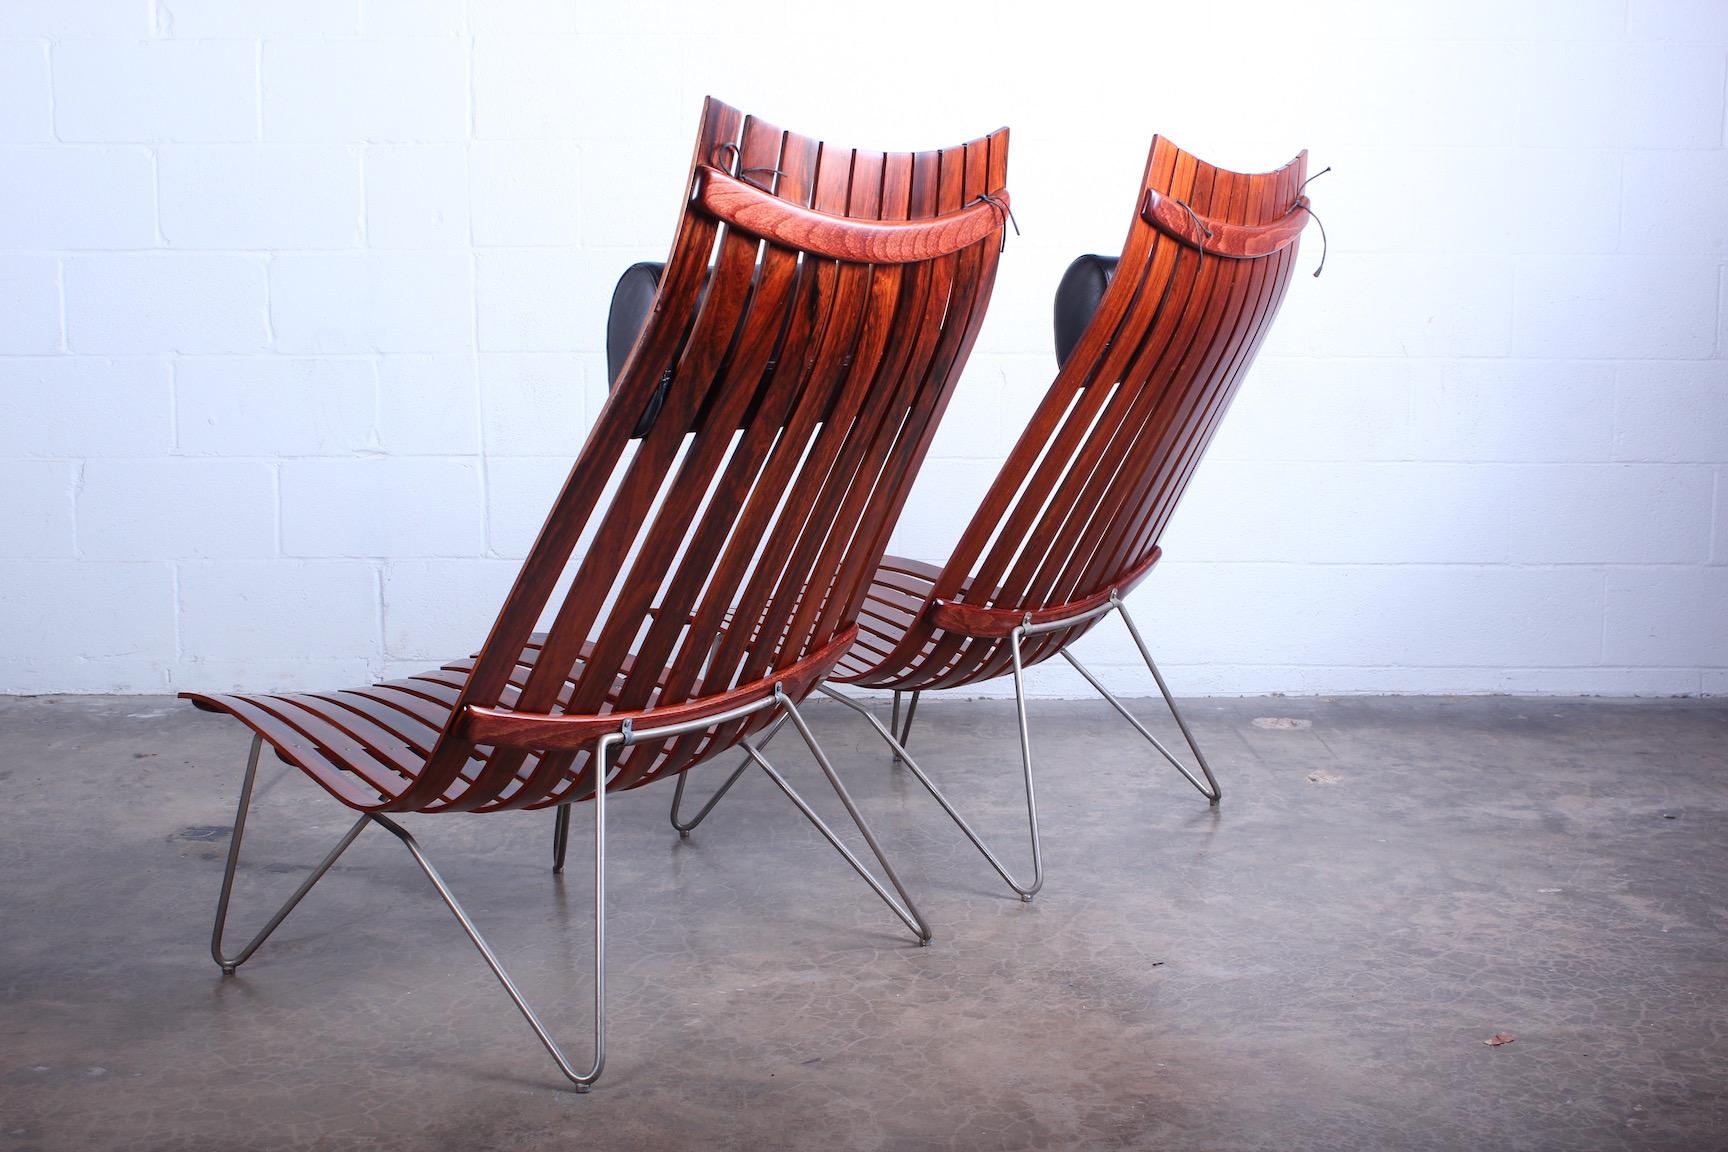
1316,964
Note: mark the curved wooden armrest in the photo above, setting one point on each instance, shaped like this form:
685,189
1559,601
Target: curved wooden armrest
763,214
1236,241
972,620
540,731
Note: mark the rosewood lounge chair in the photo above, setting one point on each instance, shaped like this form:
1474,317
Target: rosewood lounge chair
761,441
1152,345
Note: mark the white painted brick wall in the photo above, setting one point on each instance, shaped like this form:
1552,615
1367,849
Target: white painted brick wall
30,301
26,103
87,625
428,406
379,90
371,302
533,403
412,506
302,316
437,609
236,607
75,408
524,193
36,519
251,197
166,302
177,509
417,196
1719,546
69,18
286,405
533,300
514,486
94,198
192,90
250,18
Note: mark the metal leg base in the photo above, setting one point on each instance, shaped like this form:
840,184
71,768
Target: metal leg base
560,838
1024,891
582,1081
1206,784
685,827
903,732
904,908
228,964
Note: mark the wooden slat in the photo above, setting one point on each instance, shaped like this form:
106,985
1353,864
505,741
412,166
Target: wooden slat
1075,513
814,314
971,620
502,727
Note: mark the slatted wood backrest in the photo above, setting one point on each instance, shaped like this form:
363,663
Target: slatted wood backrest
1083,497
805,377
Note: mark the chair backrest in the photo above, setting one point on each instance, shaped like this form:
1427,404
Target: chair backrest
1080,503
815,312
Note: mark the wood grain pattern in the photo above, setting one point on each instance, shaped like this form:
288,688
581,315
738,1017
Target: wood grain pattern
1078,508
1220,237
750,209
974,620
808,336
563,732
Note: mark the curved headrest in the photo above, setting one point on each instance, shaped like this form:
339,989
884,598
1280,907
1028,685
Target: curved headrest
1077,298
761,213
632,301
1222,237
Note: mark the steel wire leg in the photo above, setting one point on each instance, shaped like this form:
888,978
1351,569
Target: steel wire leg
905,909
1209,788
903,733
581,1080
689,826
561,822
560,838
1024,891
229,963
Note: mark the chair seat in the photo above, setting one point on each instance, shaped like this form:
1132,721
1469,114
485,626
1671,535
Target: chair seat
894,604
370,743
898,603
897,594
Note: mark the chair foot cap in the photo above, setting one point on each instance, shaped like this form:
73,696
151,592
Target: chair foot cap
227,970
683,835
1025,897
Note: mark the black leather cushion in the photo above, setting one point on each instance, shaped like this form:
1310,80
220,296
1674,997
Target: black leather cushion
1077,298
632,300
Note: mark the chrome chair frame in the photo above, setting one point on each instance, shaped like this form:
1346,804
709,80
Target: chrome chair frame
1207,787
895,736
606,747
